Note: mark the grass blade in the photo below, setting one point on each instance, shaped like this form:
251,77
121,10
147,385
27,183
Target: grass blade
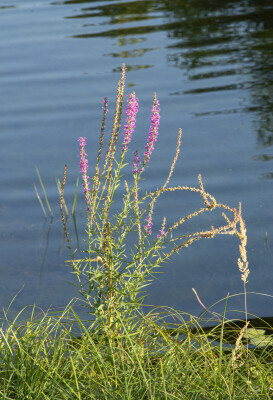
42,185
40,200
75,197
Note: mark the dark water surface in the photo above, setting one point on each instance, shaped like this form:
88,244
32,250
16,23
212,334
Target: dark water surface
211,64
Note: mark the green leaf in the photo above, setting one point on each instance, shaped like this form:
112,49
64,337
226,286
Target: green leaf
258,338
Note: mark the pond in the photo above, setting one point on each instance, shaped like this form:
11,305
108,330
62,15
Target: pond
210,63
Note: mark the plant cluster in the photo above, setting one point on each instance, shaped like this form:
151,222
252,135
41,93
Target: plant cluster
121,352
111,276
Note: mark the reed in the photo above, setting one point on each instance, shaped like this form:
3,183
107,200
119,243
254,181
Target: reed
40,200
44,191
58,184
73,211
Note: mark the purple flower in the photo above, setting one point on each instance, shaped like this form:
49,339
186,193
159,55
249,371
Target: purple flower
153,133
161,233
84,168
136,162
105,104
105,111
148,227
131,112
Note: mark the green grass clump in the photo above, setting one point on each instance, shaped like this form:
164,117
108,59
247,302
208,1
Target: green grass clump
43,359
121,351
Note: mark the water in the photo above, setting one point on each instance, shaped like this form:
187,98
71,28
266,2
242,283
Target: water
211,66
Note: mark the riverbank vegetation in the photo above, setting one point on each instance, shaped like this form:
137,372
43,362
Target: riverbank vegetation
123,350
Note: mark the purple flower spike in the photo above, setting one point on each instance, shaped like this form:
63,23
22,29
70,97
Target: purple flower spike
148,227
131,112
84,168
105,104
153,133
136,162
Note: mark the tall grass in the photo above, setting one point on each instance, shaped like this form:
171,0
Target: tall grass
122,351
58,184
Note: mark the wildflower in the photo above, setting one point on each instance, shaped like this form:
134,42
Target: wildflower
105,104
136,162
153,133
148,227
105,111
131,112
161,233
84,168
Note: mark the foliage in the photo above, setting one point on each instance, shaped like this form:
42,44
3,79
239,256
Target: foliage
122,352
112,275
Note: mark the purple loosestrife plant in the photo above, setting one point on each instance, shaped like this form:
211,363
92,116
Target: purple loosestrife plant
84,169
105,111
161,233
131,112
113,273
148,227
153,132
136,162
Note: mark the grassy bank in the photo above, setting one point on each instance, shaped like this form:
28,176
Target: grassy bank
123,352
42,359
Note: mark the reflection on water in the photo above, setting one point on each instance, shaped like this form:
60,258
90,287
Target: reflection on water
229,48
223,46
